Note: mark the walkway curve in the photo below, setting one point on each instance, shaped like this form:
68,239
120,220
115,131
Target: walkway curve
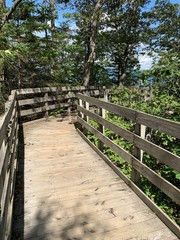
71,193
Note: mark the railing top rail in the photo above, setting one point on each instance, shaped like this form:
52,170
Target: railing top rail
163,125
56,89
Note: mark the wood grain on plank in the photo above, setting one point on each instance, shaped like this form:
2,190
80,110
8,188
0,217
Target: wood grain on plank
80,203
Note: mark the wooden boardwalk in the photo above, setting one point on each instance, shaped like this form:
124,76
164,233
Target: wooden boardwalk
70,193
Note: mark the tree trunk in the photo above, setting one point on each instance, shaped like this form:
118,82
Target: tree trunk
92,43
121,72
122,79
122,65
52,7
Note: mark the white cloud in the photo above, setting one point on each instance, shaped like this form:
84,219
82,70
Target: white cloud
145,62
73,26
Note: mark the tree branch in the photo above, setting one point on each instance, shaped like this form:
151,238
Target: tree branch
9,13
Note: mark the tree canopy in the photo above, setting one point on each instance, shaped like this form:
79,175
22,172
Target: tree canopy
95,42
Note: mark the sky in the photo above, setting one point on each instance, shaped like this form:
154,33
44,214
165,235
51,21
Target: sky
145,60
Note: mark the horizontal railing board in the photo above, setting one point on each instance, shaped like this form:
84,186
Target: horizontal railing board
45,99
157,180
43,109
8,148
8,136
170,223
123,111
35,100
6,211
163,125
159,153
13,151
56,89
8,141
6,119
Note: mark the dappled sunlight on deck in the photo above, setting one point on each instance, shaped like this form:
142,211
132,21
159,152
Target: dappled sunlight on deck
69,192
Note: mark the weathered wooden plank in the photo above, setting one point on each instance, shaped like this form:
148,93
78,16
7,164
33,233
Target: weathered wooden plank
161,124
7,151
45,99
104,213
8,160
42,109
92,223
123,111
101,128
100,227
117,129
6,119
169,189
7,172
71,195
137,152
56,89
159,153
171,224
164,125
80,192
6,211
61,97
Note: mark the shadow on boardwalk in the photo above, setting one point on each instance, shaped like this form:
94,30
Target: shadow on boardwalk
67,227
70,225
18,212
48,223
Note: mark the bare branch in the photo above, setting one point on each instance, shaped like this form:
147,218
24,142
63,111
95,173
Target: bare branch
9,13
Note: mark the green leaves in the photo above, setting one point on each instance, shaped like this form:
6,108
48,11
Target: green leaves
156,101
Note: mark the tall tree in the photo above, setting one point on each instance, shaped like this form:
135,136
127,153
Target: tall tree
165,31
87,17
165,44
91,53
125,23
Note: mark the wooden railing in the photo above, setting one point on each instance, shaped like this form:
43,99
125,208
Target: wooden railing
9,129
141,120
32,103
38,101
27,104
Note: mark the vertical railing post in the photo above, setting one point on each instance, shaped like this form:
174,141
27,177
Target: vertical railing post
81,105
106,95
101,128
70,104
140,130
85,117
86,105
46,106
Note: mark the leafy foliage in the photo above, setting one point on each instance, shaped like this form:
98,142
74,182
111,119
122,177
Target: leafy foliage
154,102
164,105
